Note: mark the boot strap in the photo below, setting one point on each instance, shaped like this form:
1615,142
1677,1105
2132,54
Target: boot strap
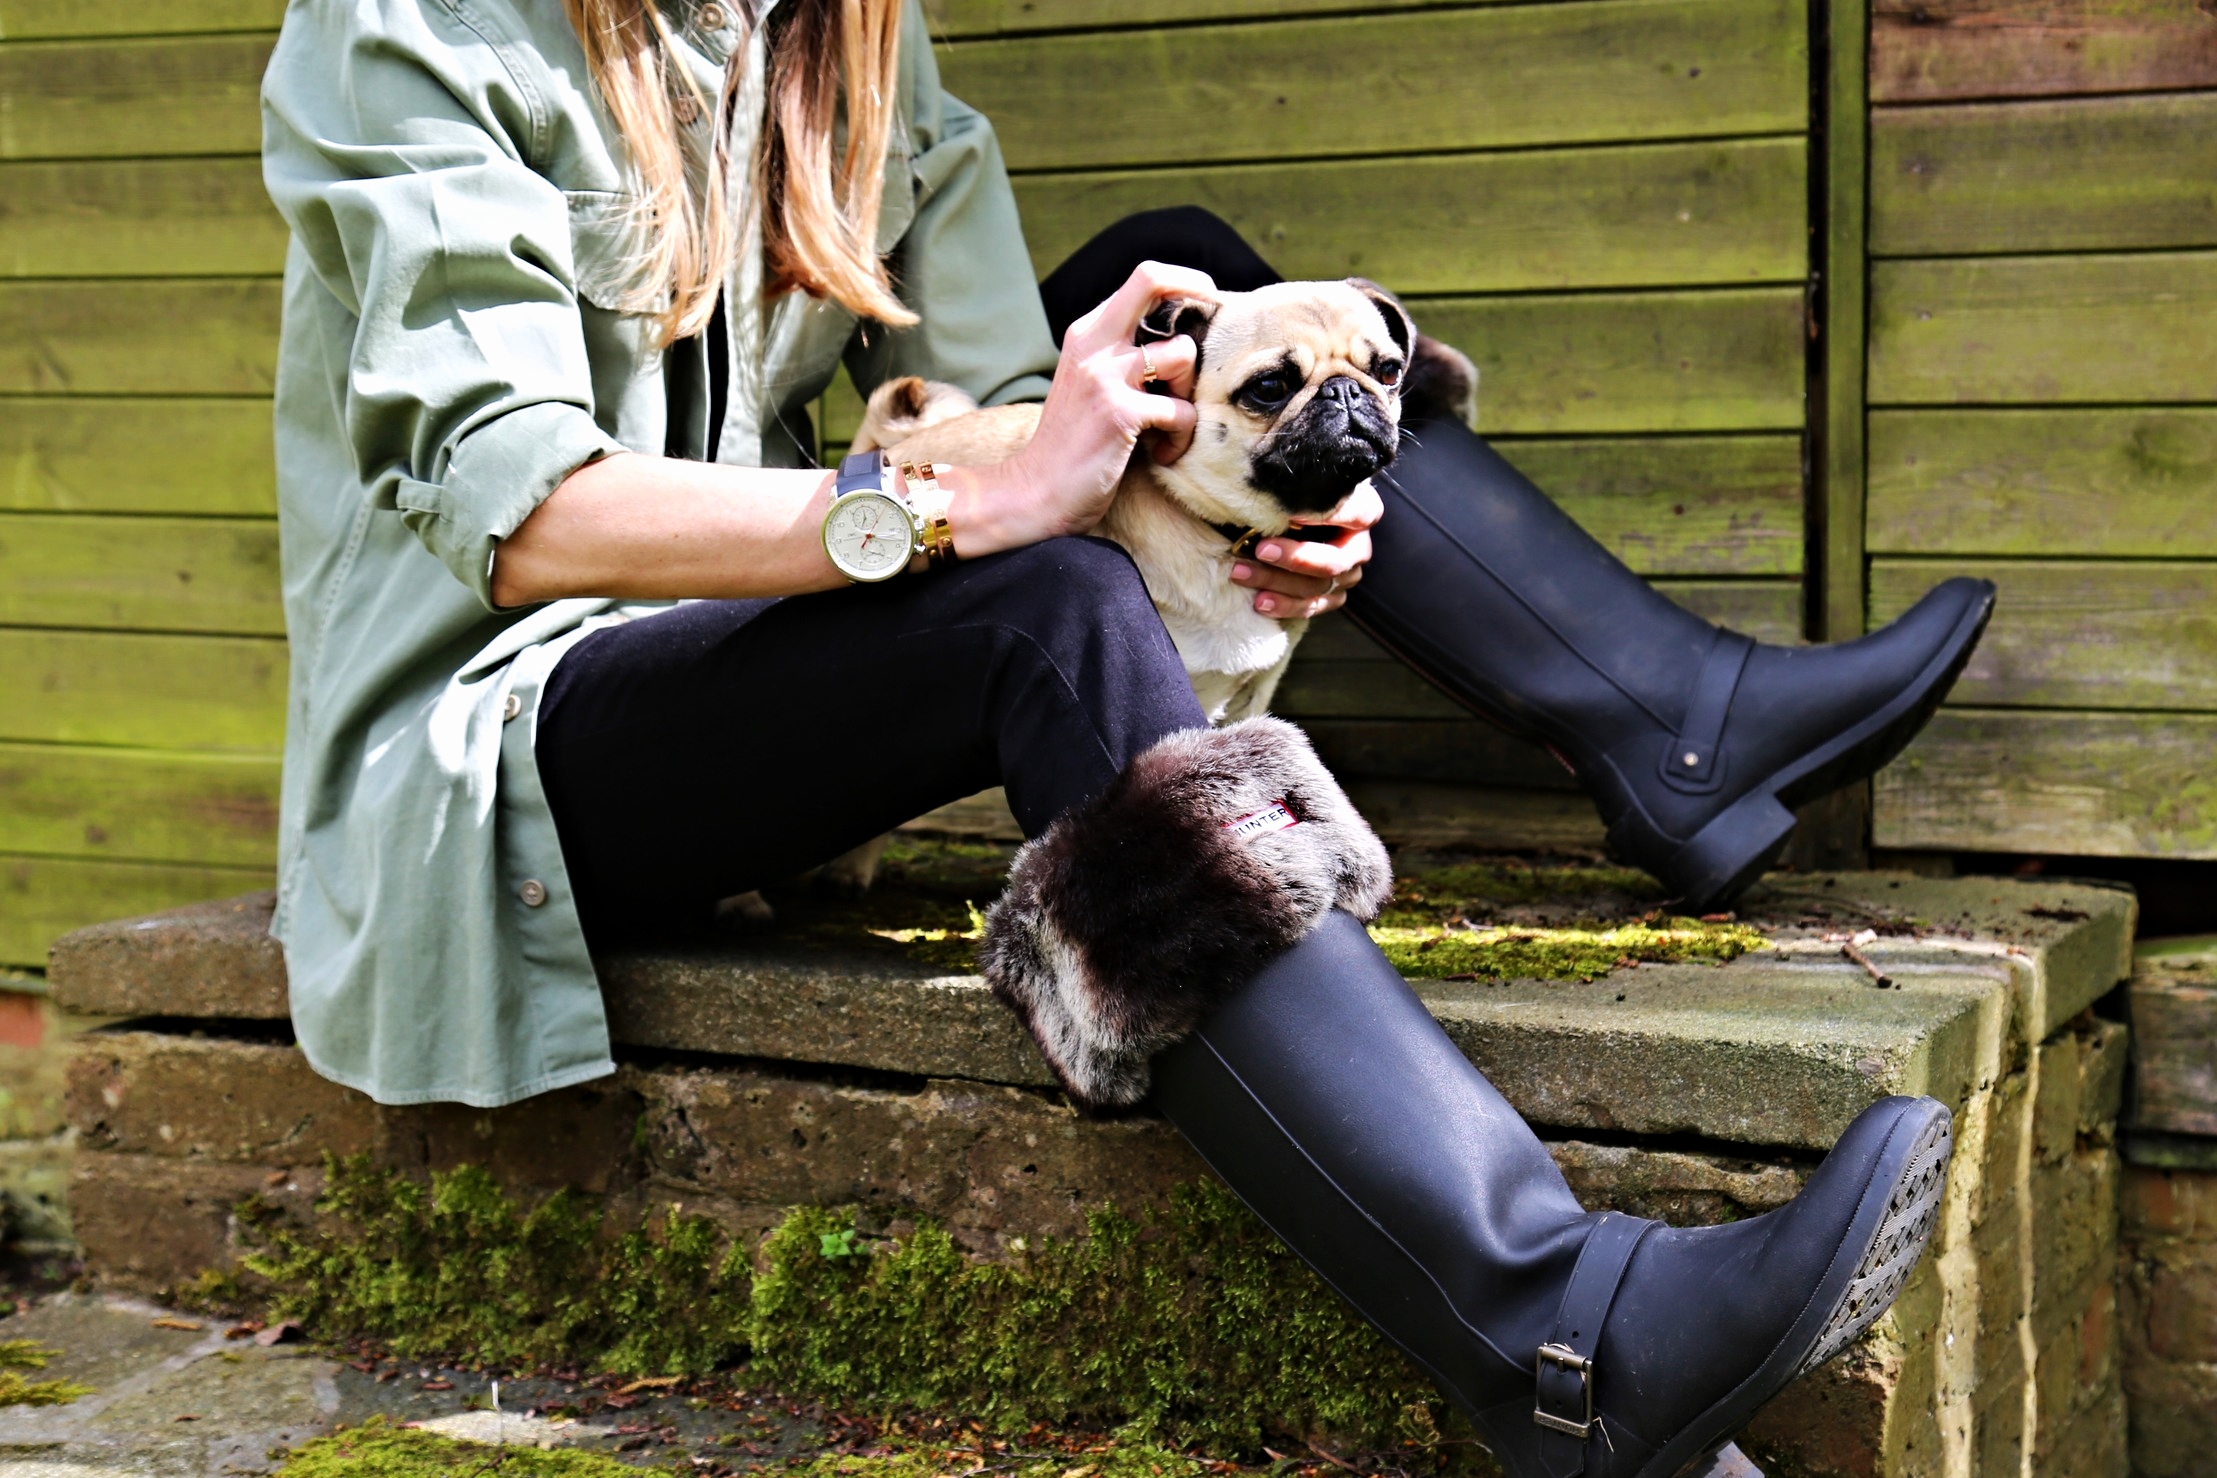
1563,1372
1693,762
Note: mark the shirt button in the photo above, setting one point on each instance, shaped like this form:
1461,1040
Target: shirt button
533,892
712,16
510,707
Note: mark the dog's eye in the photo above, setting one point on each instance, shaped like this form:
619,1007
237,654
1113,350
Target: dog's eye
1387,372
1267,391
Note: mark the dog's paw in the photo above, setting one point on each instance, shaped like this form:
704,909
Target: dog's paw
900,408
1441,382
745,913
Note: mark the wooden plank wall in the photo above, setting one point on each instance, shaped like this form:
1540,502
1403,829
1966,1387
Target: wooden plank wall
1604,201
2043,392
142,653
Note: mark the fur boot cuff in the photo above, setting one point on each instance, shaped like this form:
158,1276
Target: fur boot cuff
1134,914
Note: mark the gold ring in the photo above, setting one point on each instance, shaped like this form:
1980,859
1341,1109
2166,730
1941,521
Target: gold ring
1146,365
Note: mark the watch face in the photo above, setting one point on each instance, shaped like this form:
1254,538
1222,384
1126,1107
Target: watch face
869,536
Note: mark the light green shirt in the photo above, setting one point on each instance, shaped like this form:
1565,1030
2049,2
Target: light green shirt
450,354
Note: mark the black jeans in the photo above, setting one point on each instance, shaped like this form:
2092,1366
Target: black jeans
728,744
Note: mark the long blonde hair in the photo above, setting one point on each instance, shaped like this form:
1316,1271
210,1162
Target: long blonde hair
819,215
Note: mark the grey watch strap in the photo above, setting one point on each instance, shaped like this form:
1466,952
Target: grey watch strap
860,472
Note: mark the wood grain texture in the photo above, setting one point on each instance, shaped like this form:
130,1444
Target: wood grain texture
145,574
2085,174
92,455
208,337
2174,1048
2025,330
1728,360
43,898
2078,633
2125,483
1660,214
1426,814
974,18
1939,50
1837,415
152,692
22,20
1692,505
138,805
2086,784
138,218
131,98
1598,71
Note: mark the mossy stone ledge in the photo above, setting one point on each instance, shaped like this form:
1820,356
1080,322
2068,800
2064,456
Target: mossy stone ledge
841,1061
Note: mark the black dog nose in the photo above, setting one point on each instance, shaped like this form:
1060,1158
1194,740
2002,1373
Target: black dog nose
1341,389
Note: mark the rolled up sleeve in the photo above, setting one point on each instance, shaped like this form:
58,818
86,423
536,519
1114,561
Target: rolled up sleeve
468,392
962,264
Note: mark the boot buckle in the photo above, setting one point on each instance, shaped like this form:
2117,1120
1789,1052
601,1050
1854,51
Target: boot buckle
1563,1358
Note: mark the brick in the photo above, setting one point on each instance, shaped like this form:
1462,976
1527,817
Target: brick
1831,1423
1998,1429
2170,1203
2075,1220
148,1222
2179,1305
2077,1363
257,1103
2173,1418
2093,1445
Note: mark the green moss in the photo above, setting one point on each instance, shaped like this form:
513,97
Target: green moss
1446,952
455,1267
19,1355
1193,1325
1509,882
377,1449
920,1460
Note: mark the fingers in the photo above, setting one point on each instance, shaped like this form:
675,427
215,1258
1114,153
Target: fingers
1295,579
1117,320
1170,421
1172,360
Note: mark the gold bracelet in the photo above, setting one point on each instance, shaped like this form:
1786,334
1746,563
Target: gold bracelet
939,533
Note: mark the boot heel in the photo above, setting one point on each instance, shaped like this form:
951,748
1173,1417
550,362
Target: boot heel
1733,850
1726,1462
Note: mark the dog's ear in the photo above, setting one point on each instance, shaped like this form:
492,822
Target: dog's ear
1399,325
1441,382
1173,316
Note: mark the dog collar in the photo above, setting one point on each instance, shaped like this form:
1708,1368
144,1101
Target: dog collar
1241,537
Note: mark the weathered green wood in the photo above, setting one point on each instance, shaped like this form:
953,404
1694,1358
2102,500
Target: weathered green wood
973,18
1460,751
138,805
138,218
2071,633
23,20
144,574
1936,50
1838,455
154,692
43,898
2083,784
2139,482
2086,174
114,99
1599,71
89,455
1728,360
1597,363
1551,218
209,337
2025,330
1694,505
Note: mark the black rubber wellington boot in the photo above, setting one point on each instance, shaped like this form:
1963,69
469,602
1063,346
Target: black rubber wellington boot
1696,743
1602,1344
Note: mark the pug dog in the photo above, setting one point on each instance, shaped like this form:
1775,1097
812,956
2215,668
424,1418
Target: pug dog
1299,392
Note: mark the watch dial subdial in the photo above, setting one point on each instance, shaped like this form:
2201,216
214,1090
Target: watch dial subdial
868,536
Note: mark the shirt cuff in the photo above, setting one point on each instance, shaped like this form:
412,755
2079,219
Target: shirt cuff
499,473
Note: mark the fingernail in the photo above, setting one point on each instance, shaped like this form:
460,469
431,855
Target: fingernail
1266,603
1242,572
1269,551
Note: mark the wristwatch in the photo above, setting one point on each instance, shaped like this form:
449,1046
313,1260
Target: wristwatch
870,531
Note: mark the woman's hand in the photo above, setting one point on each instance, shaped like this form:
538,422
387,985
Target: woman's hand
1096,411
1296,579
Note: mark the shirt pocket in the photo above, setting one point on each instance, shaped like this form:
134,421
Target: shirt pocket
606,250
